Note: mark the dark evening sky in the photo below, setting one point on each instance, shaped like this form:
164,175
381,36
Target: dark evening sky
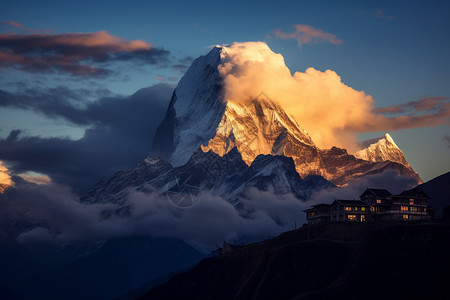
68,68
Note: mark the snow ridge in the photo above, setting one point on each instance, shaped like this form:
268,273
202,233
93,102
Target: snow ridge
382,149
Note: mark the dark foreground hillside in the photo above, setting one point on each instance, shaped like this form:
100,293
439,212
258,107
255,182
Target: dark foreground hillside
336,261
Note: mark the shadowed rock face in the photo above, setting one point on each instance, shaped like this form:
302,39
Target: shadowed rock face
226,176
439,190
342,167
194,112
338,261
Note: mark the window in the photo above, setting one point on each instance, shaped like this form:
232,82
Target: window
363,218
403,208
356,208
351,217
411,201
378,201
348,208
405,217
372,208
363,209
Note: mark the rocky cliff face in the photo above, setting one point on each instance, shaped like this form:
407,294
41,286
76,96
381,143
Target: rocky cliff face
262,127
227,176
342,167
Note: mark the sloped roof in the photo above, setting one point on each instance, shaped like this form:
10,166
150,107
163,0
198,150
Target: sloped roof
413,193
321,205
381,193
314,207
350,202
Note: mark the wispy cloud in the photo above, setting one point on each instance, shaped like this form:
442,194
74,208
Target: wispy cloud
305,34
382,14
183,64
12,24
427,104
425,112
73,53
16,25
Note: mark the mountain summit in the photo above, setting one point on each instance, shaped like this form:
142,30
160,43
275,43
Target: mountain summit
194,112
381,149
201,116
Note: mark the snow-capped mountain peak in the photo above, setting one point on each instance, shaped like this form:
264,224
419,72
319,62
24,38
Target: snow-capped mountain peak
208,142
204,115
261,126
194,112
381,149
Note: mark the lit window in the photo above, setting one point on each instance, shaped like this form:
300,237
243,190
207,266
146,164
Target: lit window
351,217
372,208
363,208
403,208
378,201
405,217
363,218
356,207
411,201
348,208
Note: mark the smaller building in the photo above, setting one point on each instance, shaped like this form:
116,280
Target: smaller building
319,213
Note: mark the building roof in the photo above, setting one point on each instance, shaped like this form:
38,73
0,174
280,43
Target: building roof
413,193
380,193
320,205
350,202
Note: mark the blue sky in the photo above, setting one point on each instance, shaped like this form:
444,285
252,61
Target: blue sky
395,51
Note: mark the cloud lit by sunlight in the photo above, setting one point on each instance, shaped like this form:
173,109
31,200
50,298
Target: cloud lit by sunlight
5,177
319,101
331,111
72,53
36,178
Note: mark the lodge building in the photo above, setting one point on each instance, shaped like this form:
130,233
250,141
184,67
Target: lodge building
374,205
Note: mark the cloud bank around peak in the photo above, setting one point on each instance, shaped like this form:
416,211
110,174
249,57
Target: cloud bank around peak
331,111
58,217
